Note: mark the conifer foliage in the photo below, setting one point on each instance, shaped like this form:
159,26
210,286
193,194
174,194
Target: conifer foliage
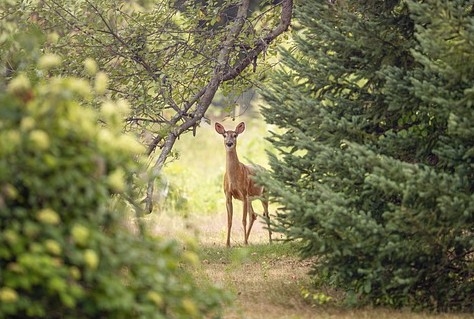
374,169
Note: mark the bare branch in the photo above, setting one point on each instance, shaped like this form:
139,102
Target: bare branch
262,43
168,65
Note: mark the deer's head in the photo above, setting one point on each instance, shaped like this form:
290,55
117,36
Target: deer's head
230,137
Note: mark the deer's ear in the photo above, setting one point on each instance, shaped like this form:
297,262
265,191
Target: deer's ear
219,128
240,128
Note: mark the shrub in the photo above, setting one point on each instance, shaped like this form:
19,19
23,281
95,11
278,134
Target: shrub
65,251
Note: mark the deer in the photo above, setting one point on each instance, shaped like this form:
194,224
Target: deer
239,184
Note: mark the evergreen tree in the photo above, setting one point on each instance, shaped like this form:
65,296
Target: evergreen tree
375,167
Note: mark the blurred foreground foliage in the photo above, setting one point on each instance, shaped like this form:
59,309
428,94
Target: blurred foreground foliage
66,247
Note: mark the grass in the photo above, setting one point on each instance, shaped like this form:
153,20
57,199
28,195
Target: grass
266,280
253,253
270,281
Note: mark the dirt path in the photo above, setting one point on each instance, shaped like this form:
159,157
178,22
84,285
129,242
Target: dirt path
210,230
263,289
268,284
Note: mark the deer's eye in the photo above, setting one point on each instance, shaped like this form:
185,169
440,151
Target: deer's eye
234,135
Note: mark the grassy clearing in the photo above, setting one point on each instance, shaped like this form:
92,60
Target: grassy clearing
266,281
269,281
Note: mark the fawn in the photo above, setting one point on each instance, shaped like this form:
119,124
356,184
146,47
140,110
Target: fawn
239,184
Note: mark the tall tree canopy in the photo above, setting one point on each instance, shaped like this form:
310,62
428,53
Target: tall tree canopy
167,58
376,146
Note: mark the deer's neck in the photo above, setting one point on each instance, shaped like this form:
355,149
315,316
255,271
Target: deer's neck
232,164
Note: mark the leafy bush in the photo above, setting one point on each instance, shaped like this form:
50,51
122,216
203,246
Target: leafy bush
65,248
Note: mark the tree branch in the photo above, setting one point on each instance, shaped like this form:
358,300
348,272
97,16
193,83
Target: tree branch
262,43
220,74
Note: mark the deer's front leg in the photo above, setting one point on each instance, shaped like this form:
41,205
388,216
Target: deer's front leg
244,218
230,211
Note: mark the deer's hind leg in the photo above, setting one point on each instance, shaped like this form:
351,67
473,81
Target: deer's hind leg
252,218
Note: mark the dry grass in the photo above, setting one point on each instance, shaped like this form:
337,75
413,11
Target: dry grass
263,289
271,288
265,280
210,230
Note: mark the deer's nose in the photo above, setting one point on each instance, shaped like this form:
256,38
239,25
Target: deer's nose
229,144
